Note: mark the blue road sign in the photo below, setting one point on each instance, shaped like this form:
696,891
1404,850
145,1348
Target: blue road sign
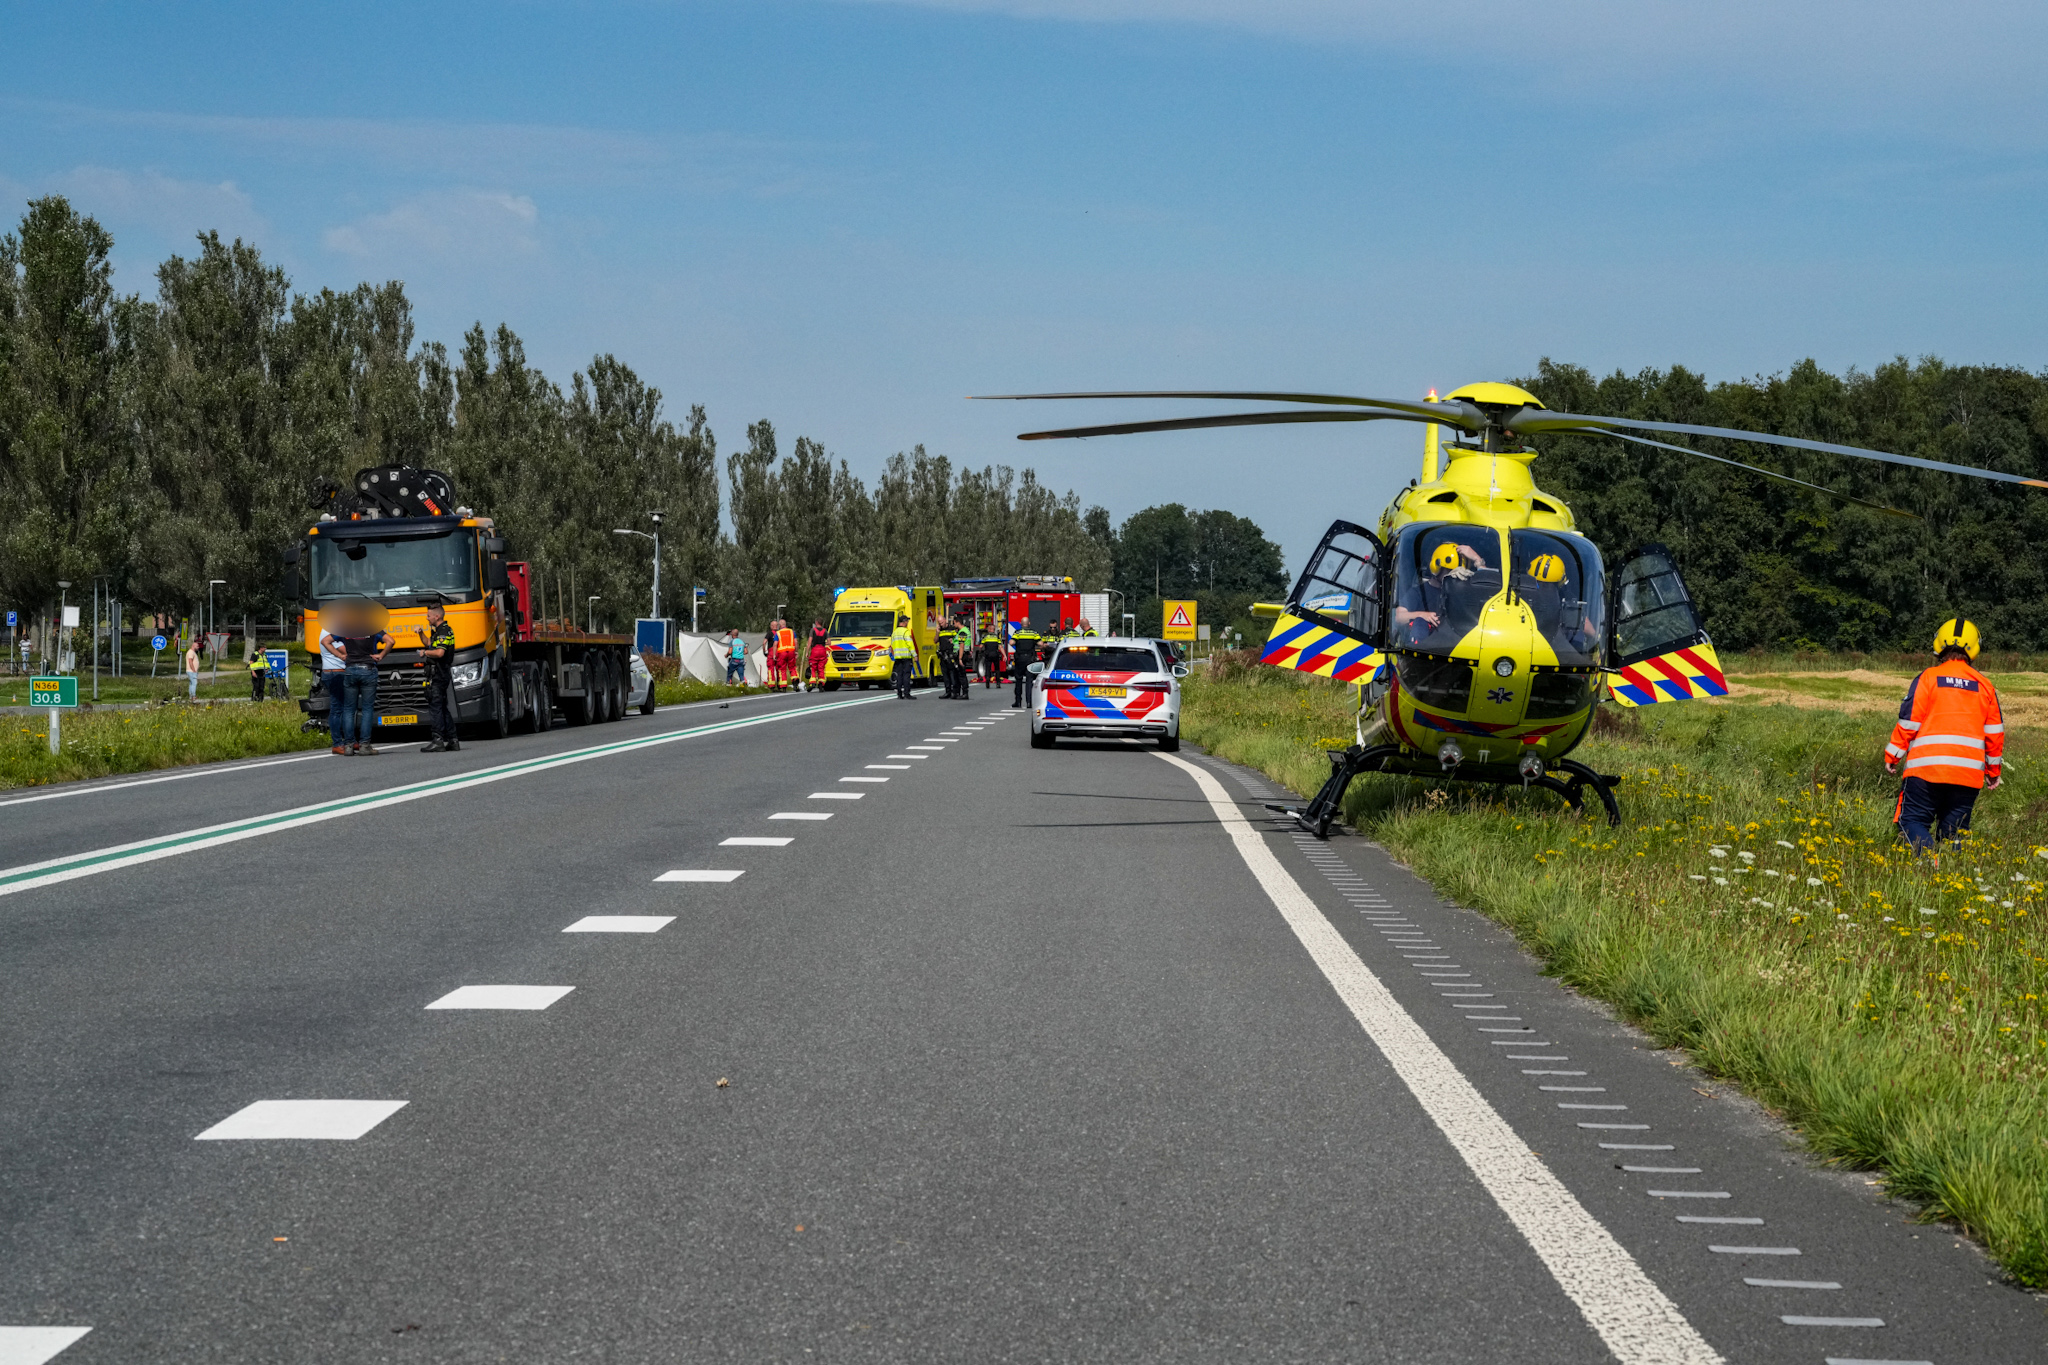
155,641
10,618
280,662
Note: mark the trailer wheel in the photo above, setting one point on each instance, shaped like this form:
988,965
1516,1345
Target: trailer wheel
543,702
614,689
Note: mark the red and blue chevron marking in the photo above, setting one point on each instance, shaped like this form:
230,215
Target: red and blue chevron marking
1640,685
1066,697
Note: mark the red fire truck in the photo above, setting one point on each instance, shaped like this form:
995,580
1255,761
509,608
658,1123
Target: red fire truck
1000,605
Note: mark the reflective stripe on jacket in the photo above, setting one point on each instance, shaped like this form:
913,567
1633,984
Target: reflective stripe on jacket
902,645
1950,727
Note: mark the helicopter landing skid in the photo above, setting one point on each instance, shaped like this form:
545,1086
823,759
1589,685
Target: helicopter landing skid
1322,809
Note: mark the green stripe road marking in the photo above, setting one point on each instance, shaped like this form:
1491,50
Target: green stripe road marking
72,866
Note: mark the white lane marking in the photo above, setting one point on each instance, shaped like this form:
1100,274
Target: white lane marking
1531,1071
500,997
74,865
702,874
1756,1251
34,1345
961,734
863,779
1688,1194
755,841
1637,1147
1791,1284
919,757
1859,1360
202,771
1663,1170
1703,1218
886,768
929,749
801,815
836,796
620,924
1799,1320
1618,1300
932,739
302,1120
1570,1089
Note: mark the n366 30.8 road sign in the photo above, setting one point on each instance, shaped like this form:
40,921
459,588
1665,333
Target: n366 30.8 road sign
56,692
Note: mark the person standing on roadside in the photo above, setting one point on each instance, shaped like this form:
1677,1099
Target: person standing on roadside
735,660
192,670
437,657
1023,654
1951,736
259,674
333,667
363,646
991,660
903,657
821,652
785,650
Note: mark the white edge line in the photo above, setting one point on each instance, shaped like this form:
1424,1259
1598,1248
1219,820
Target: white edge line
1620,1302
213,836
200,770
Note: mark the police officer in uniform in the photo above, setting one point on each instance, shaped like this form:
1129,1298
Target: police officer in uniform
949,660
1023,654
437,657
991,660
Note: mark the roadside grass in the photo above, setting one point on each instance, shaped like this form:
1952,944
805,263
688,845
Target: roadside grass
107,743
1754,909
679,692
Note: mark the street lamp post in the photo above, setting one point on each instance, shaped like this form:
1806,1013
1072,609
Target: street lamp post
656,538
590,615
211,584
63,601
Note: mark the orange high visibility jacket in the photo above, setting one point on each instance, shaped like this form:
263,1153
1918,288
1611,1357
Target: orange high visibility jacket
785,639
1950,728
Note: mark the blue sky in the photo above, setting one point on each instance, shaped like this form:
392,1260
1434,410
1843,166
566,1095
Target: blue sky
845,215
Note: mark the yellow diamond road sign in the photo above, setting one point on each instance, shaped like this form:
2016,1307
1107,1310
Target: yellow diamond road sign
1180,620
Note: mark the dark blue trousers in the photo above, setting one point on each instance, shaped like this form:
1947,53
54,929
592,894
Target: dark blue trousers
1929,811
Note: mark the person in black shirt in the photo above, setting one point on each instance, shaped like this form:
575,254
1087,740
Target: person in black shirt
363,645
437,657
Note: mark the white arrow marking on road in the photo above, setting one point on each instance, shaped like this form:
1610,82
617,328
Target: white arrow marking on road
1618,1300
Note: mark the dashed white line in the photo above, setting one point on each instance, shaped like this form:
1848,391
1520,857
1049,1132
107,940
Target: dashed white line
302,1121
863,779
500,997
803,814
1791,1284
885,768
620,924
1799,1320
1755,1251
702,874
836,796
755,841
1704,1218
34,1345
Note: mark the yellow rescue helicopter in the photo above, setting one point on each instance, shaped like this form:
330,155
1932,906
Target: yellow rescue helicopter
1482,627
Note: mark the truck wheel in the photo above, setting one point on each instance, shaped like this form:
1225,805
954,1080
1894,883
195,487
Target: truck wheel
499,725
543,703
614,689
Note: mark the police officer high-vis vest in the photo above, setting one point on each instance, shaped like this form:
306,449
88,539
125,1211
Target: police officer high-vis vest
1950,727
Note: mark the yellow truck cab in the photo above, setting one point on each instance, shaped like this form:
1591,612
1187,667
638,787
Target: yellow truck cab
862,621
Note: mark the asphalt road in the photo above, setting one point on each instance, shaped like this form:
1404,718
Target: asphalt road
1017,1056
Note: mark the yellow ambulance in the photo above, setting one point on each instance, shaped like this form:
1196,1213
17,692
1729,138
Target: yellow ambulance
862,621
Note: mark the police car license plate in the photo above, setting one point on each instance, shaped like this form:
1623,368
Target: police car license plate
398,720
1106,692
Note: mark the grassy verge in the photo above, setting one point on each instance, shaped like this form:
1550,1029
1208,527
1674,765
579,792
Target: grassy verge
106,743
675,692
1754,909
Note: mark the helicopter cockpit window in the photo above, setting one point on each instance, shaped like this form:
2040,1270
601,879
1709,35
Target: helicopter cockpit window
1444,575
1559,578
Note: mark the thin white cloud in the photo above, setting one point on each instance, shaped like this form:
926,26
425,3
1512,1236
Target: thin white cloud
161,204
463,226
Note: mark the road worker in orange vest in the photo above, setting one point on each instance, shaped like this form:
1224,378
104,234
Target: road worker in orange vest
1951,739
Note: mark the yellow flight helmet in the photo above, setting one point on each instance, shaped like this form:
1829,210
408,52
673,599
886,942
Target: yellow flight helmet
1444,558
1957,632
1547,568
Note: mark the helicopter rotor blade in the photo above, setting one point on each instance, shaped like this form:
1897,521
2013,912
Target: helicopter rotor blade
1454,412
1717,459
1534,421
1232,419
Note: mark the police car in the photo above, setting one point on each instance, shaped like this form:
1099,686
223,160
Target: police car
1108,687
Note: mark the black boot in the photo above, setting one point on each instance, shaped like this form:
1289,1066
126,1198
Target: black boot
432,746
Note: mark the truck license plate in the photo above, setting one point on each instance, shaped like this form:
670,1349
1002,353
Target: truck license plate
1106,692
398,720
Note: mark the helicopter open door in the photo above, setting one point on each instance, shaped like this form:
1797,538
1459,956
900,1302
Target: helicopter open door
1331,624
1656,646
